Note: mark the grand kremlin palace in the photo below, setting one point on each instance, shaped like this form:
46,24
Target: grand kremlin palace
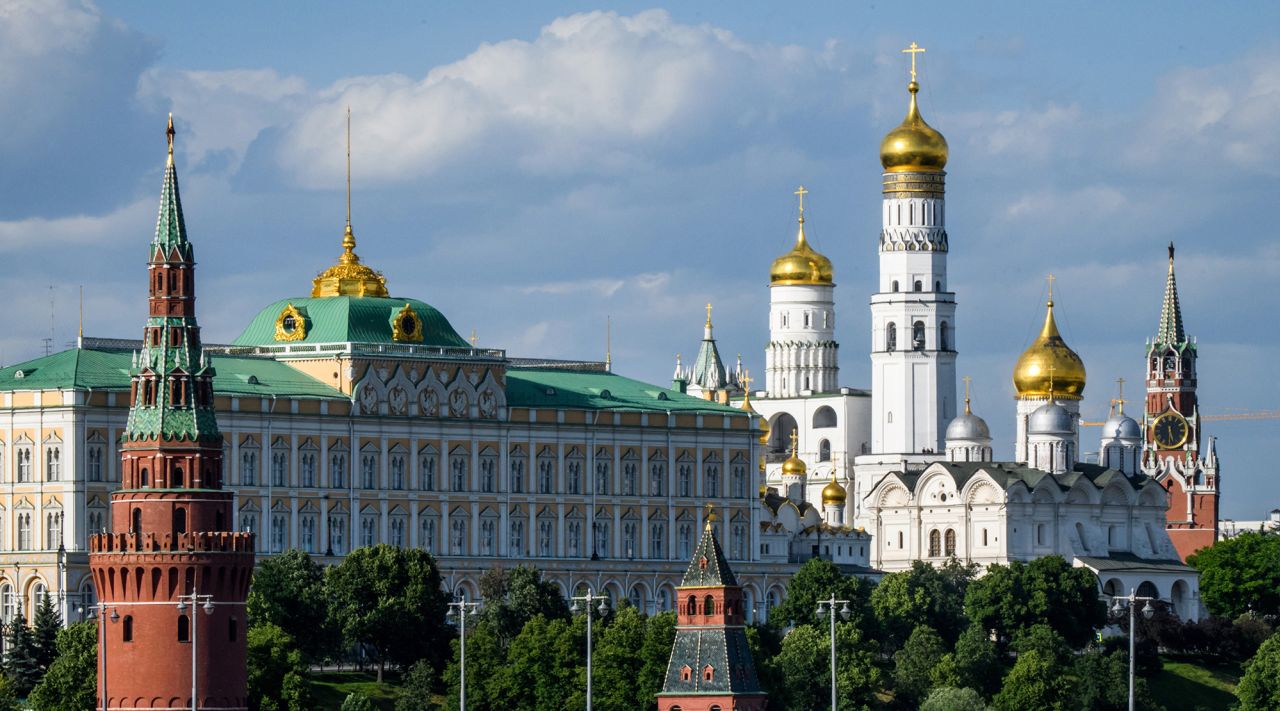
352,418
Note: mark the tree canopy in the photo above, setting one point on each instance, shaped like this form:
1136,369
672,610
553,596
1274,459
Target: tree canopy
1011,598
923,595
1260,687
1240,574
818,580
71,683
288,591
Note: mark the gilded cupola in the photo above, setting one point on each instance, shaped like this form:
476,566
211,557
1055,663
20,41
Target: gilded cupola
833,493
349,277
803,264
794,465
1048,368
914,145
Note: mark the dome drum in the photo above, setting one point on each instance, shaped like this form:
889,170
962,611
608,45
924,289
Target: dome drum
833,494
1050,419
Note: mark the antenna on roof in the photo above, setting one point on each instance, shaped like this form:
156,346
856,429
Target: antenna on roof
48,342
608,343
80,334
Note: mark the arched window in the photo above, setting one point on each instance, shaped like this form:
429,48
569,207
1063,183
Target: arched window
919,286
935,543
179,520
949,542
895,285
824,416
126,628
944,337
137,521
693,605
709,606
824,451
917,336
708,673
146,480
891,337
184,628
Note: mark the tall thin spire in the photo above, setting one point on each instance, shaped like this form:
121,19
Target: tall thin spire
1171,331
171,228
608,343
967,409
348,169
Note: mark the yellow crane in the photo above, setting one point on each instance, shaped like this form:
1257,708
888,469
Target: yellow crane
1243,414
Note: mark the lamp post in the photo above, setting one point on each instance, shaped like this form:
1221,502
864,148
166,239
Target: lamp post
829,606
102,645
204,602
586,600
1130,601
459,609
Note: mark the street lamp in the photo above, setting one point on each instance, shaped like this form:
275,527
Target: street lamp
102,644
825,606
459,610
196,601
1130,601
586,600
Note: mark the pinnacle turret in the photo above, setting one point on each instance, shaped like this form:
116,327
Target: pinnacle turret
1171,332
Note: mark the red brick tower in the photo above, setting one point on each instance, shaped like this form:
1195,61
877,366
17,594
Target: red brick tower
711,667
171,521
1172,451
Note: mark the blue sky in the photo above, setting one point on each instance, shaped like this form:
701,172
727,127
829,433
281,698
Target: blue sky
533,168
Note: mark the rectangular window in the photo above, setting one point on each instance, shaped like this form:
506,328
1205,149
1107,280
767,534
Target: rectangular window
338,470
95,464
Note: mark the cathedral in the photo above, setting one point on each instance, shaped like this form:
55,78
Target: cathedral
909,467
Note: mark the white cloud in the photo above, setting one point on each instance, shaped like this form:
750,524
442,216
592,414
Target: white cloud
76,230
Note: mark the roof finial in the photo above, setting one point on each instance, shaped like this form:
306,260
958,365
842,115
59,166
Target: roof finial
967,380
746,380
795,441
1051,369
708,314
348,168
170,133
1171,254
801,192
711,514
1120,397
1051,279
473,338
608,342
913,50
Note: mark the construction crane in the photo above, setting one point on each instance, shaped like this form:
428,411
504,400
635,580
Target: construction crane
1243,414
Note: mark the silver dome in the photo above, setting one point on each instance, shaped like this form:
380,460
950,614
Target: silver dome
968,426
1050,418
1121,427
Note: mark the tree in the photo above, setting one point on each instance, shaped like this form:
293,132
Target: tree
44,633
1102,683
20,661
1035,682
71,683
288,592
617,665
1260,686
8,695
358,702
659,635
977,661
803,667
1240,574
818,580
513,596
389,600
276,669
1043,639
923,595
949,698
914,666
1048,590
416,688
544,669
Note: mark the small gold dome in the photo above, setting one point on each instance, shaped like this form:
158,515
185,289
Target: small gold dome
833,493
794,465
349,277
802,265
1048,368
914,145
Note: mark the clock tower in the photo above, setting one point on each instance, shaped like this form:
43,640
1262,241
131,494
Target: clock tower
1172,451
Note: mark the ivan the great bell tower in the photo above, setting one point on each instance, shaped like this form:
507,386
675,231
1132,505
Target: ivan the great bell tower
171,574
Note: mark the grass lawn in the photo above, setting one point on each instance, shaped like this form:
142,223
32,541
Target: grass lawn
1187,685
329,689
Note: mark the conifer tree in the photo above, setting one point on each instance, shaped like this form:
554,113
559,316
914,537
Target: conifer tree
21,664
48,623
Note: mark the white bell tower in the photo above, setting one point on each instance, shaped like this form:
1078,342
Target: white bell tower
913,356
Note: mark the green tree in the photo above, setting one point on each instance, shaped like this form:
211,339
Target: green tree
803,668
8,695
44,632
1043,639
617,665
818,580
276,670
389,600
977,661
1035,682
1101,683
484,660
544,669
288,592
1240,574
915,665
1048,590
949,698
513,596
1260,686
923,595
71,684
20,661
417,687
659,634
358,702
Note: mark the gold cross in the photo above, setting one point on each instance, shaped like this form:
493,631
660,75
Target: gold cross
1051,369
473,338
169,133
801,192
708,314
967,380
794,439
1051,279
913,50
1120,398
746,380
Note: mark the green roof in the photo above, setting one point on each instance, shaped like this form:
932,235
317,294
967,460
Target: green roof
350,319
82,369
594,390
708,567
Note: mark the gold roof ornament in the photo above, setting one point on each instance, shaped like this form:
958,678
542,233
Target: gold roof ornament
349,277
763,424
914,146
803,264
833,493
794,464
1048,369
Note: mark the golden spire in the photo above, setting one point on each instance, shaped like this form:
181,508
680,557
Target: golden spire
801,192
81,332
473,338
349,277
967,380
608,342
711,513
746,390
708,314
914,146
803,264
1051,278
913,50
170,133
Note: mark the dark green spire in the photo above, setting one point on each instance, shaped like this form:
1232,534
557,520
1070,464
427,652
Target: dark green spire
708,567
171,229
1171,332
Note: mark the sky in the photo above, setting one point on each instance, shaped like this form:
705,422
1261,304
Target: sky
536,169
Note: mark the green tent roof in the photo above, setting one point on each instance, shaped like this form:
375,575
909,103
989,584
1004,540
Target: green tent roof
594,390
350,319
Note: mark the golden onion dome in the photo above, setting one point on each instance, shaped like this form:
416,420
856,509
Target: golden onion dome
914,145
794,465
1048,368
349,277
833,493
802,265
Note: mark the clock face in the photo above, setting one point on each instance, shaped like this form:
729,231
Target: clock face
1170,430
